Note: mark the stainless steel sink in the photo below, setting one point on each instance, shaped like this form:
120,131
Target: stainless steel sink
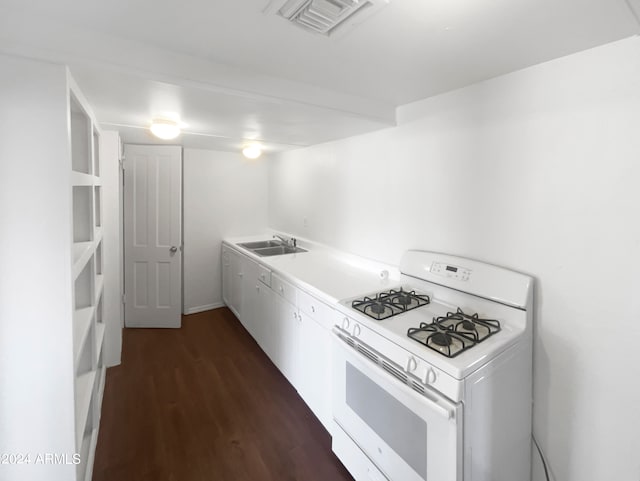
277,250
261,244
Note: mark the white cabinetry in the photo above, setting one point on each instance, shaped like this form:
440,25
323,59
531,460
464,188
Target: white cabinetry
51,253
249,298
257,299
232,285
226,275
245,290
315,355
286,330
292,327
263,323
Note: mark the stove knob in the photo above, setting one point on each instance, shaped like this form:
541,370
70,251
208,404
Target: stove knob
412,364
345,324
430,376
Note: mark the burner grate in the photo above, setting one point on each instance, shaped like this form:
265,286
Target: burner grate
390,303
454,333
469,325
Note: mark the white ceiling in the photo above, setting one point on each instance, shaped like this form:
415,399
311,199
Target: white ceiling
235,73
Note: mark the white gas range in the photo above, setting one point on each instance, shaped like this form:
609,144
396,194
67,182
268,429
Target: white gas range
433,377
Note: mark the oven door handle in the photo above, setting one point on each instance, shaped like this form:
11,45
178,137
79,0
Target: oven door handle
341,339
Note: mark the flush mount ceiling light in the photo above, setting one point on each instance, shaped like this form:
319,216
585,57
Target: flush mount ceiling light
164,128
325,17
252,151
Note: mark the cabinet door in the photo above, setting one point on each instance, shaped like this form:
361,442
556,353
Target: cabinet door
235,301
270,329
286,339
315,360
226,276
249,300
263,320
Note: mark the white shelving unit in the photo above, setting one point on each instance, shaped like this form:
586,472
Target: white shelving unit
54,252
88,279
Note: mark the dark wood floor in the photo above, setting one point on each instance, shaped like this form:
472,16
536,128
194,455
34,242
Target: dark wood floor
204,403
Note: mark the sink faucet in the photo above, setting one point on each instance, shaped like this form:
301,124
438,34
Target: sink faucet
290,241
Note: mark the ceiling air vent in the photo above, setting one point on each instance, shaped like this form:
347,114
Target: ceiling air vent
325,17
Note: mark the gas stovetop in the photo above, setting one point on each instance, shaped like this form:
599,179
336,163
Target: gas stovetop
449,334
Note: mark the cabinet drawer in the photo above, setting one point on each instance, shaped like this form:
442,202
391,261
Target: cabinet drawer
264,275
283,288
319,311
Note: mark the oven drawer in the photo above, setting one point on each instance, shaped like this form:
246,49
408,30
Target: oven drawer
358,465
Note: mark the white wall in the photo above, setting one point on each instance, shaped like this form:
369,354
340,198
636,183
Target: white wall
538,171
224,195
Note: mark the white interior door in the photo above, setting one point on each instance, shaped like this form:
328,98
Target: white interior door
153,235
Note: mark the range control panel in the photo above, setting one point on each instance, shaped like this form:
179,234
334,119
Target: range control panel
451,271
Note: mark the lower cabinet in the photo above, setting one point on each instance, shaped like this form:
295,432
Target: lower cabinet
292,327
232,285
286,331
315,356
248,297
226,275
262,330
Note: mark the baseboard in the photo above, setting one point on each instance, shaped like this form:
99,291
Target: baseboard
207,307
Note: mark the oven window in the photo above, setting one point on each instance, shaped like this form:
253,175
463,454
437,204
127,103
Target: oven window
400,428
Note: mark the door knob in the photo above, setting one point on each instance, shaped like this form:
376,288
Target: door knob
173,249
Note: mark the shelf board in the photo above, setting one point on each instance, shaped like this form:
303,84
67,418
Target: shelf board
99,287
84,455
80,178
102,379
81,324
100,327
82,252
92,454
84,390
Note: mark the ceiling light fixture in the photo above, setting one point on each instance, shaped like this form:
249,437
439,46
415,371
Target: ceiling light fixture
165,129
252,151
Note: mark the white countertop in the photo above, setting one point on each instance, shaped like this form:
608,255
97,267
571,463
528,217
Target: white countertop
325,272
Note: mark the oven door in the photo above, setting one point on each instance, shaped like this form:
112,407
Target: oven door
409,436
